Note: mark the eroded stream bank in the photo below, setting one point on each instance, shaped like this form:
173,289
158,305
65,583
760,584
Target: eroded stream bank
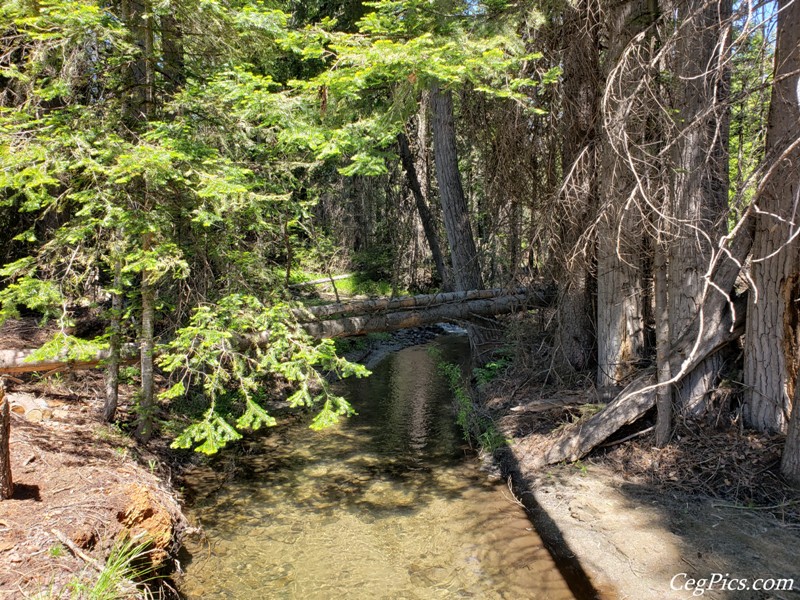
390,504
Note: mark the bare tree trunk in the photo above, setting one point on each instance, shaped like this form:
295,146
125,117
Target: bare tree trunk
172,53
721,322
581,90
463,253
115,345
790,461
428,224
772,351
663,371
144,428
6,481
700,171
620,323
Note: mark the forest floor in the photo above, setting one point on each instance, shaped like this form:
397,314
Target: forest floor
643,521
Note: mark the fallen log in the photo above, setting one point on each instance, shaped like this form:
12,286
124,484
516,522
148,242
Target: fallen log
723,322
427,309
544,295
635,399
464,310
18,361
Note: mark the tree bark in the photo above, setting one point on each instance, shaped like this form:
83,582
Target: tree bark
772,352
146,405
6,481
581,101
663,370
542,295
456,311
172,52
463,253
115,347
620,323
790,461
425,216
700,177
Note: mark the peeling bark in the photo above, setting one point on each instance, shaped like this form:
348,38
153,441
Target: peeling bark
620,322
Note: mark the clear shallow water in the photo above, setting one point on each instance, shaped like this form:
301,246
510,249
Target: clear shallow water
387,505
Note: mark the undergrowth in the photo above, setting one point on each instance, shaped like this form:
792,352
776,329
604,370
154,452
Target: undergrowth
474,425
123,576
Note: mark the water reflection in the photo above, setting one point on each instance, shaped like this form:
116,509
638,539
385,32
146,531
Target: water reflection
387,505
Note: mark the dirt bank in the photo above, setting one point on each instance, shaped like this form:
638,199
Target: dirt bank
81,488
638,522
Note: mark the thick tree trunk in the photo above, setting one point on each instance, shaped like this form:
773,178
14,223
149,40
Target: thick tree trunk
542,295
6,481
790,461
463,253
455,311
581,100
620,323
425,216
700,184
772,351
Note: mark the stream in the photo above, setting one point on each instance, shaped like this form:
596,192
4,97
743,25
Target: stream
388,504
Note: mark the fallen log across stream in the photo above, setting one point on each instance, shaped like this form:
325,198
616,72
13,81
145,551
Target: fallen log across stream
349,319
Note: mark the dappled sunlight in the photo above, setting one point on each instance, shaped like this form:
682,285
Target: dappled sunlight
386,504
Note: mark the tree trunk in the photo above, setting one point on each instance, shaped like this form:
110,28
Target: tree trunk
700,178
541,295
6,481
773,317
463,253
172,53
146,406
663,371
428,224
115,347
620,323
721,323
790,461
458,311
350,318
581,90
